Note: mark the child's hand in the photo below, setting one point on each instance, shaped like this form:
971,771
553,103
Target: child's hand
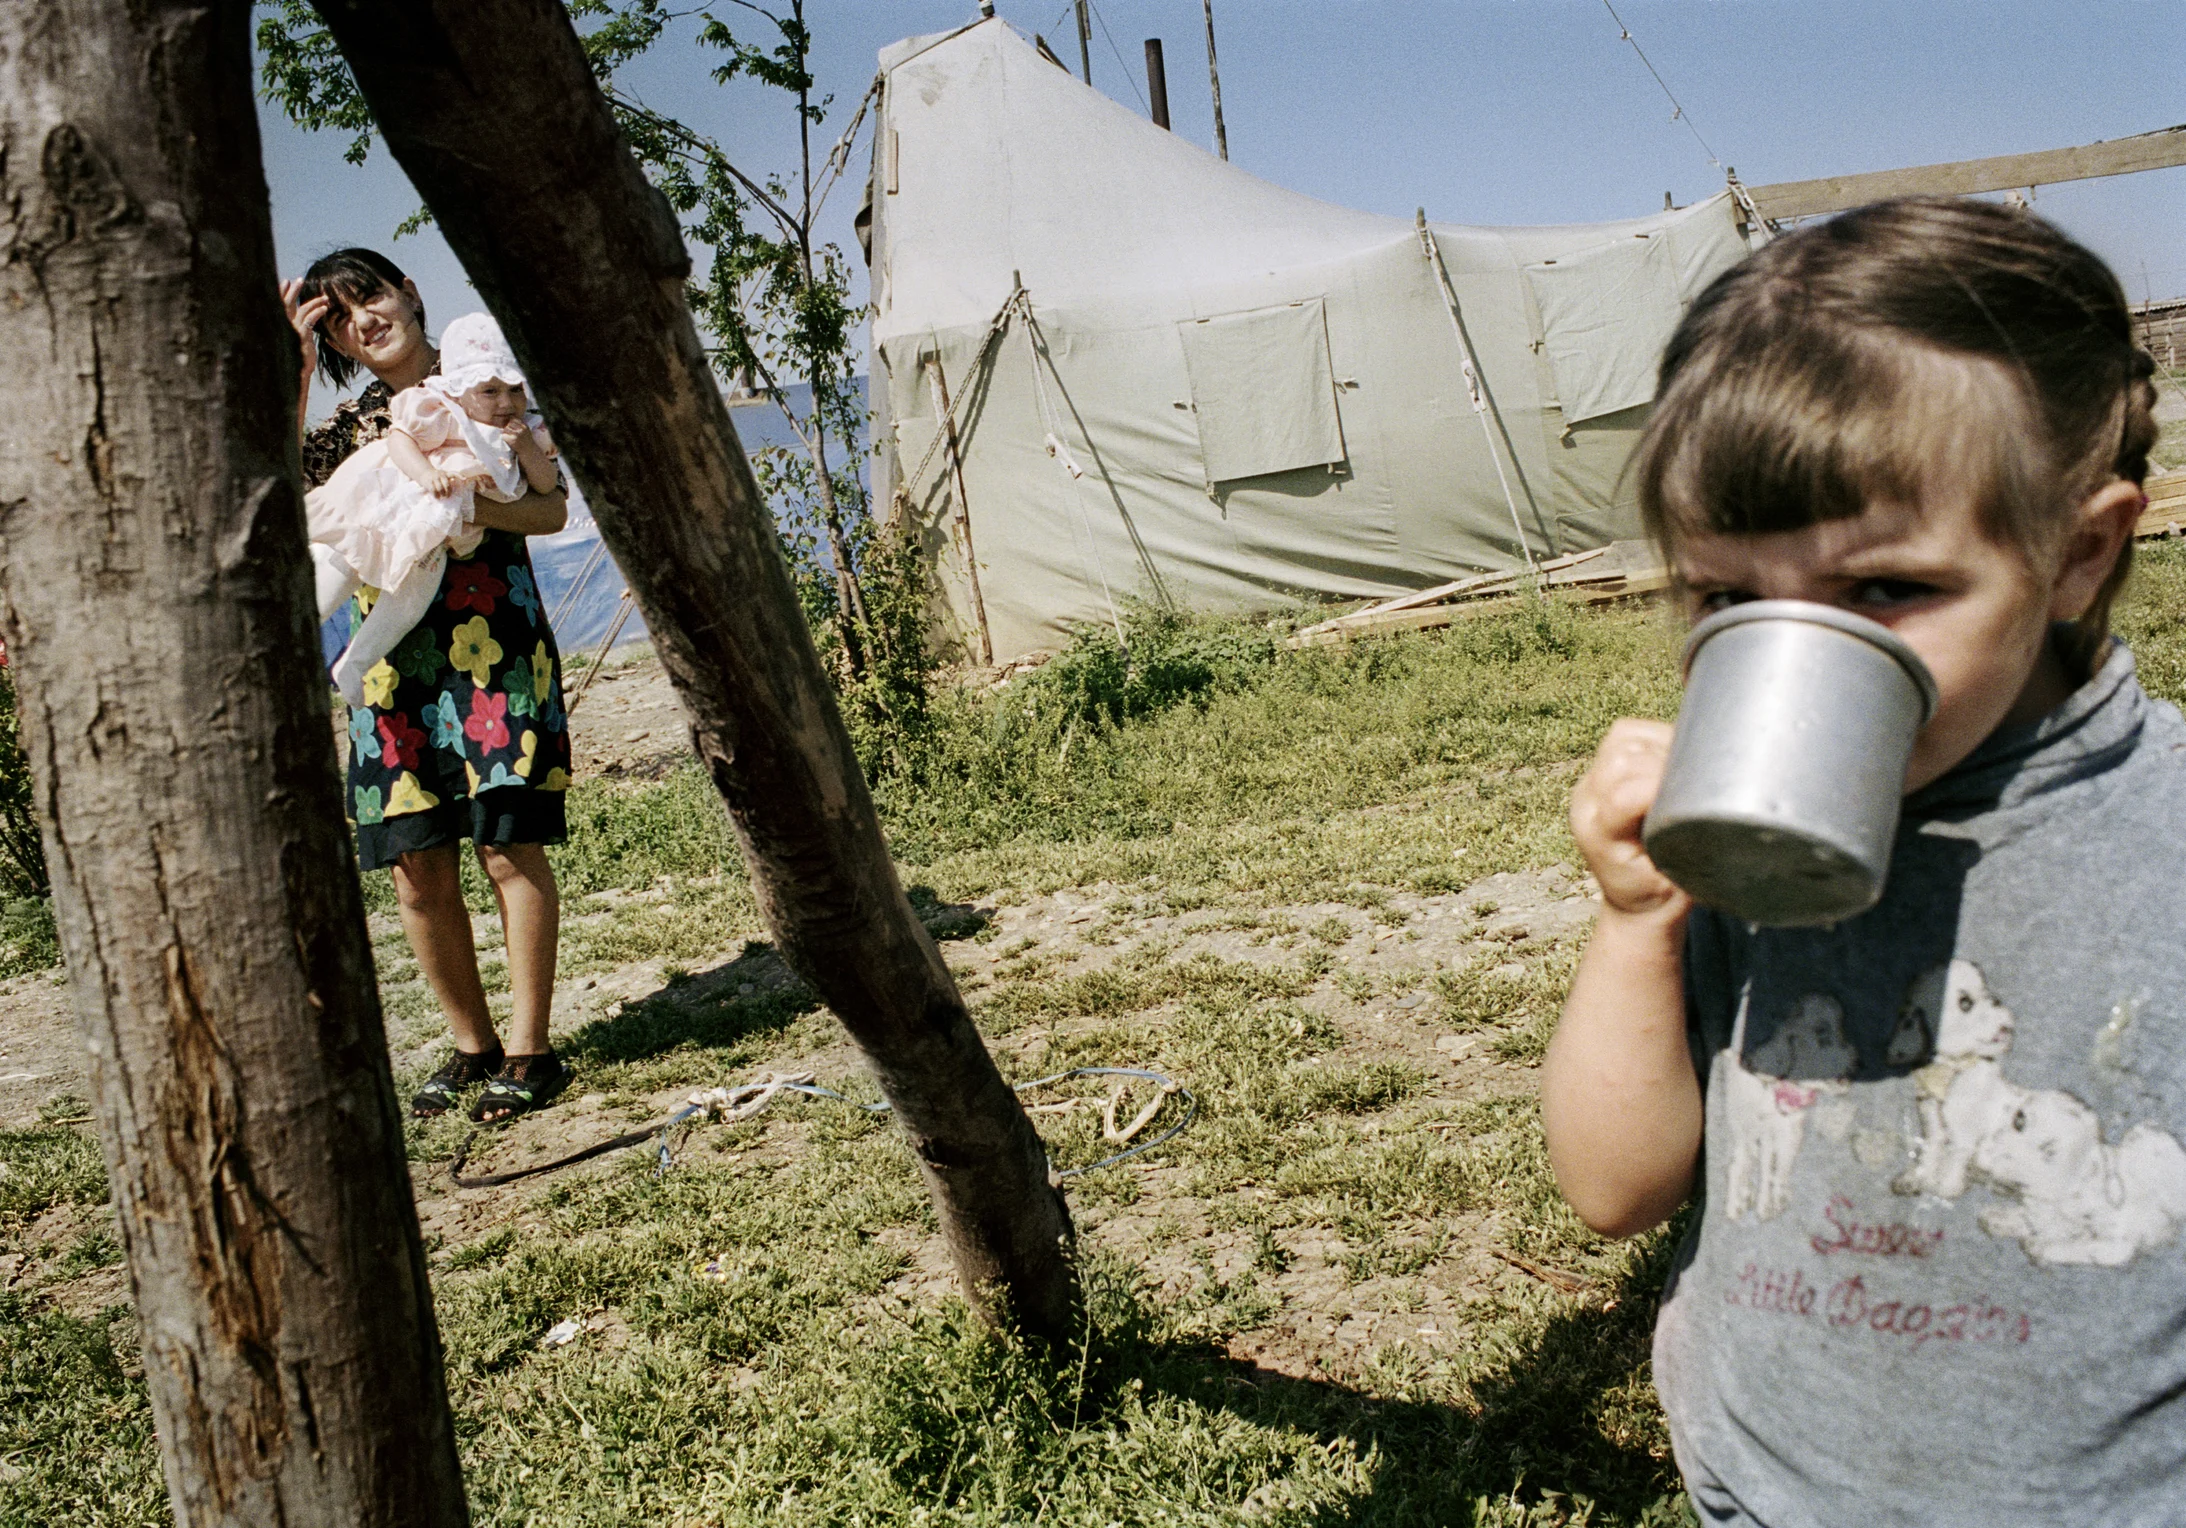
440,484
1608,809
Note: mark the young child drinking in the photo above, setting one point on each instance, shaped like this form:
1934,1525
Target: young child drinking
1936,1275
392,512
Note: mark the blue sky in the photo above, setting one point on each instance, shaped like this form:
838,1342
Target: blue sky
1483,111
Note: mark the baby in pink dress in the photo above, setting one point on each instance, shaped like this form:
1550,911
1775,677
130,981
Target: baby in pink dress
393,511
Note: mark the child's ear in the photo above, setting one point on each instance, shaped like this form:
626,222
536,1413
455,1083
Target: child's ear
2100,527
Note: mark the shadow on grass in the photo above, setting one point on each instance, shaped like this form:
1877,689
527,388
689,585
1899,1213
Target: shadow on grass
755,994
1566,1429
947,920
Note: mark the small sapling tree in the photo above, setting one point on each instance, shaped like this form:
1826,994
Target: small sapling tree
772,298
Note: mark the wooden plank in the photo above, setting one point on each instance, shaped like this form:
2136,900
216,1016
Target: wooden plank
1479,586
1477,583
2166,511
1606,590
2004,172
1380,618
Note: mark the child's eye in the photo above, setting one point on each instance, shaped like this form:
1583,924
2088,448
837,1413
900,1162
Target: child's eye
1883,592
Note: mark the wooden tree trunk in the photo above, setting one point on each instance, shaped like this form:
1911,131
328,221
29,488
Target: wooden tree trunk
156,603
490,108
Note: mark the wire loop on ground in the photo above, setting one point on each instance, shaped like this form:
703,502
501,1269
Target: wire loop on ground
747,1099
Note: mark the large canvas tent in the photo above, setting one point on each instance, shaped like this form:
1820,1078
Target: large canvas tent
1170,380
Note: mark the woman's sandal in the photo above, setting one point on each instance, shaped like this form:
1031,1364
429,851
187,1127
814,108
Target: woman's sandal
457,1075
523,1084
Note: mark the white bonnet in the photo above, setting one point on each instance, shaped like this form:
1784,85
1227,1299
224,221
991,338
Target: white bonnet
473,351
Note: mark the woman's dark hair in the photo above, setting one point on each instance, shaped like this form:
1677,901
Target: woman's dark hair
1909,343
354,277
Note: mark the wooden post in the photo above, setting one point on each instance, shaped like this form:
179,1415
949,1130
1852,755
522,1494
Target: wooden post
491,109
1214,82
156,604
1157,83
1085,42
963,505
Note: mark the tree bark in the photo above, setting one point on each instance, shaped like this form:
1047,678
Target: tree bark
156,603
489,107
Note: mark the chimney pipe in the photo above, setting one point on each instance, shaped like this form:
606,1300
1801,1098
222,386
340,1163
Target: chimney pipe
1157,83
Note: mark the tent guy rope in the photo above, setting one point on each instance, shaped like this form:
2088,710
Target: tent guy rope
1477,386
1677,110
1052,421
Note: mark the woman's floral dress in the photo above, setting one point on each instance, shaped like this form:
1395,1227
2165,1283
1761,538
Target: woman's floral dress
463,733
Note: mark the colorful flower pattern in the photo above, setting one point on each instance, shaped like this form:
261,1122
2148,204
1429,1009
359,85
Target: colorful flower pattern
379,684
408,796
471,586
399,741
418,655
523,593
471,700
446,722
488,724
472,649
363,737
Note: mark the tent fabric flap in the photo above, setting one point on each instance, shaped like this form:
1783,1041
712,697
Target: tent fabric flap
1263,394
1604,314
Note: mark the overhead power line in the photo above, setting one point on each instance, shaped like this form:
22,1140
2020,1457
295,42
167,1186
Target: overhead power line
1131,79
1677,109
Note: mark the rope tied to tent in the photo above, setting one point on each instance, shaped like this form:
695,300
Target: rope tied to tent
624,606
1762,228
1052,422
568,601
957,395
1483,401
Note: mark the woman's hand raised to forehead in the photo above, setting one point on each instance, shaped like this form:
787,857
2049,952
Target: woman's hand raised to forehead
1609,809
304,318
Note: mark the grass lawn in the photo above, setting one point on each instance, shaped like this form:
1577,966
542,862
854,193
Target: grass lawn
1330,890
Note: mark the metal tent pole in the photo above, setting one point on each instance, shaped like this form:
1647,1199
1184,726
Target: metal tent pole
1214,80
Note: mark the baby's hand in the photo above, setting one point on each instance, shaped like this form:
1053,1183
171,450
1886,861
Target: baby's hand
440,484
1608,809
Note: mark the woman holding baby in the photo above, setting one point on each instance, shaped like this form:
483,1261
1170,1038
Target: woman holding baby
461,731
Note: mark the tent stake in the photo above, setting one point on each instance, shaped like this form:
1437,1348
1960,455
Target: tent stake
1483,401
947,416
1214,81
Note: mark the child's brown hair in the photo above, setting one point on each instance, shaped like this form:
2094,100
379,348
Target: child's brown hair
1848,362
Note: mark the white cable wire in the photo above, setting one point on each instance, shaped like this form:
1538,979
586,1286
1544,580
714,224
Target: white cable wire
1121,63
1677,110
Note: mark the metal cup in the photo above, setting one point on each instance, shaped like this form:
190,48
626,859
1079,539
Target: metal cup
1780,799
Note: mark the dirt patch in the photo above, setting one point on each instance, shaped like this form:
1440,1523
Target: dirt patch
41,1057
628,723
